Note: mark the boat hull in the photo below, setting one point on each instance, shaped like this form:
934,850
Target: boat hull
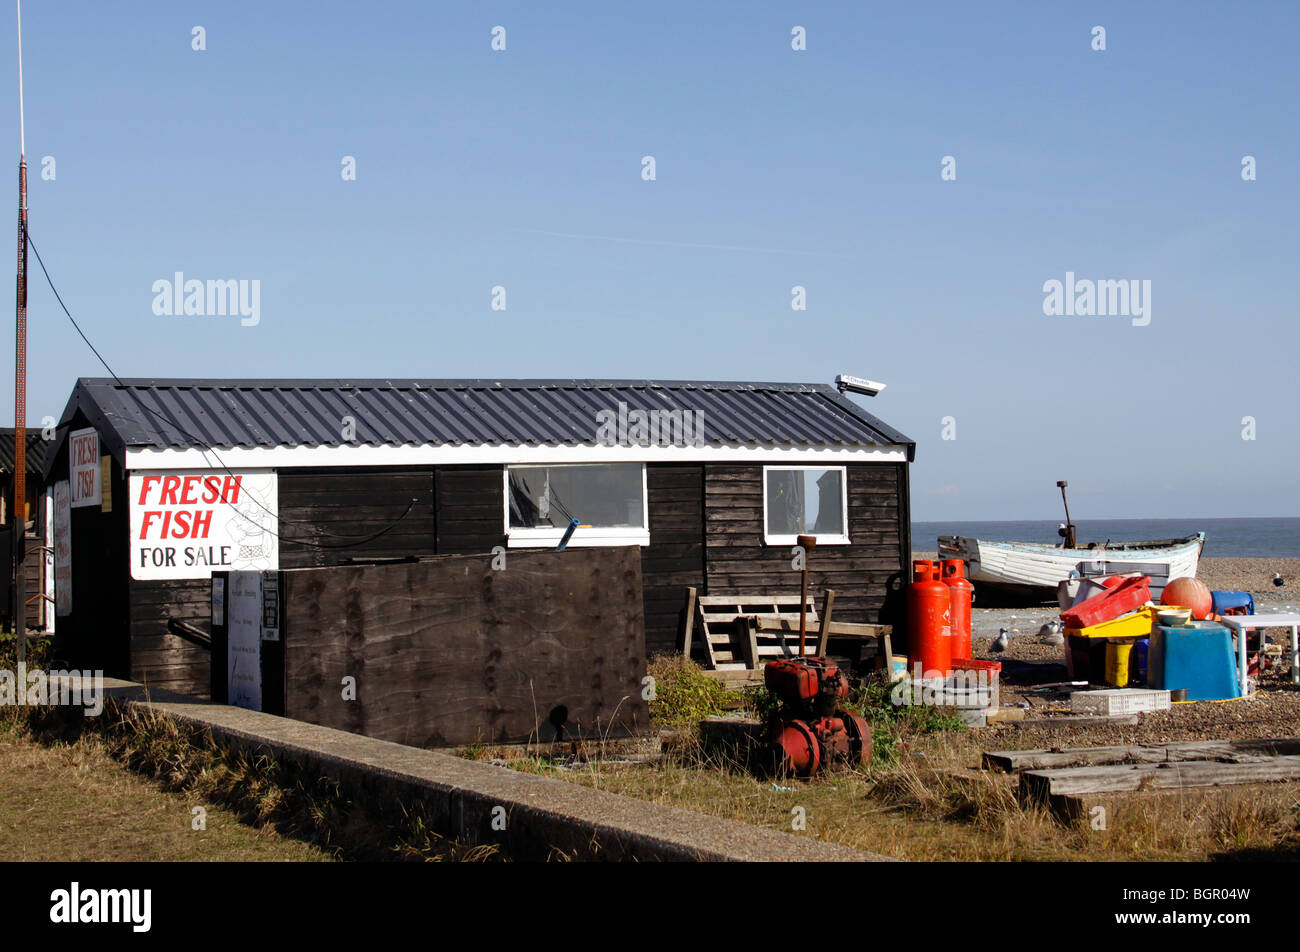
1031,571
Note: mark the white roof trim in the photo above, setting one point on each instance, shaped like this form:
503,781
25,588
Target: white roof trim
271,457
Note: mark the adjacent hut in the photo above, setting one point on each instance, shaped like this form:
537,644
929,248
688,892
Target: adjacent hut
711,481
37,561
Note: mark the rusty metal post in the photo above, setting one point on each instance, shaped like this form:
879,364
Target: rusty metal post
20,425
1070,540
20,379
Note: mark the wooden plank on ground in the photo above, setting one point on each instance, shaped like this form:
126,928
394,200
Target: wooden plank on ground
1178,804
1082,720
1226,751
1043,785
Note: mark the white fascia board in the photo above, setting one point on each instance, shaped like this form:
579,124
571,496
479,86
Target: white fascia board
287,457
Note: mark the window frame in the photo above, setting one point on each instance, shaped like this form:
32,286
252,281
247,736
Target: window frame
839,538
528,537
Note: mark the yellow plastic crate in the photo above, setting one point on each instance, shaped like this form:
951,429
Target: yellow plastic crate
1137,625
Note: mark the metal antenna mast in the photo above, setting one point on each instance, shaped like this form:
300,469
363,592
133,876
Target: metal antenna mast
19,516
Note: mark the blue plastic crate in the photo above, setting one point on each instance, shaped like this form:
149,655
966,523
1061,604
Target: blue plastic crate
1198,658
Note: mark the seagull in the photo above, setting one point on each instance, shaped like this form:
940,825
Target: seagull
1050,634
1001,641
1277,580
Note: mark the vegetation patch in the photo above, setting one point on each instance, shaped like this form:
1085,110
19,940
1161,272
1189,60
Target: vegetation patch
683,694
894,727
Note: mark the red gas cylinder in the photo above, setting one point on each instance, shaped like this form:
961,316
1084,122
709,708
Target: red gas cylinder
929,623
960,593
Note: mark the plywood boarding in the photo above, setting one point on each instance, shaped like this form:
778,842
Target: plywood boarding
449,651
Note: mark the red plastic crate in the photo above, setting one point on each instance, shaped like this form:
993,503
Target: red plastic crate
1127,595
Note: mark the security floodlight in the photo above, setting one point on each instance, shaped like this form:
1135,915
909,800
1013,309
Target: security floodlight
858,385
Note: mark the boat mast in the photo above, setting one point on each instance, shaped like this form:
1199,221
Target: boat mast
1068,532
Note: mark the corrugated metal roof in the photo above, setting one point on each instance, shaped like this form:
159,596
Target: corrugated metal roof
265,413
36,445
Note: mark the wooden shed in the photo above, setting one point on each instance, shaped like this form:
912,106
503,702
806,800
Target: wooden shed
38,561
711,481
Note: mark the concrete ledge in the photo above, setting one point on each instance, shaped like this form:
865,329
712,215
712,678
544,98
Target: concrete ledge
542,812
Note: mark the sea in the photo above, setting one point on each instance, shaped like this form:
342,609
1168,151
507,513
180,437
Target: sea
1224,538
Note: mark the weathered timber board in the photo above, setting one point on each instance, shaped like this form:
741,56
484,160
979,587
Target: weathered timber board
451,652
1227,751
1044,785
1080,720
1176,804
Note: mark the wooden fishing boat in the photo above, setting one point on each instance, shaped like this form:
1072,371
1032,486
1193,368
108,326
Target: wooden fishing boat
1031,571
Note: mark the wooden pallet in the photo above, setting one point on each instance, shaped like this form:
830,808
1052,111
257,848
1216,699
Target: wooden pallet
739,634
728,642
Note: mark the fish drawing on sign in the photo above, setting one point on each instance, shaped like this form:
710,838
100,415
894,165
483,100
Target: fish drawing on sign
252,540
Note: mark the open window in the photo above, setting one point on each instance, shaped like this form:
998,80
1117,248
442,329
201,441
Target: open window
607,499
805,500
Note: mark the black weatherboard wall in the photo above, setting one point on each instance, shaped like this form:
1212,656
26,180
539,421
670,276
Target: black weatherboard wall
863,573
98,633
332,516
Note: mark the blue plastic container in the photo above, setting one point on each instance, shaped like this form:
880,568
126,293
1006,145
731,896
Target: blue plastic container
1197,658
1140,653
1223,601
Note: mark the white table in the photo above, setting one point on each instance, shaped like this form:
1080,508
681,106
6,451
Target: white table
1240,622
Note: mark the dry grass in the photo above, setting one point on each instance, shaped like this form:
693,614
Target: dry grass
75,803
271,798
934,803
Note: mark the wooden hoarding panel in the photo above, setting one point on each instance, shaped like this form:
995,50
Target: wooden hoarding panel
450,651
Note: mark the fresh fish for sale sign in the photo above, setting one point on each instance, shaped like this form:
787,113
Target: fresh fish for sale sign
190,524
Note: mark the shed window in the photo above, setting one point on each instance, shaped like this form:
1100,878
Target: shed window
805,500
607,499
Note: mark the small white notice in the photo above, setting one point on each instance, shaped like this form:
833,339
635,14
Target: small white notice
62,549
244,640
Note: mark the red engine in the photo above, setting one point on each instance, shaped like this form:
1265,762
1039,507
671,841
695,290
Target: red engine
810,731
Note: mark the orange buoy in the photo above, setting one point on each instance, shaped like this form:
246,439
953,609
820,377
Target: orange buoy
960,591
929,622
1189,593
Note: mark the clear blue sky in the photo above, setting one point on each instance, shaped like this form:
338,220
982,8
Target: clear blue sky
775,168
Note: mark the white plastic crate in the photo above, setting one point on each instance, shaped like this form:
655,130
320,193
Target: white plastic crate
1119,701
